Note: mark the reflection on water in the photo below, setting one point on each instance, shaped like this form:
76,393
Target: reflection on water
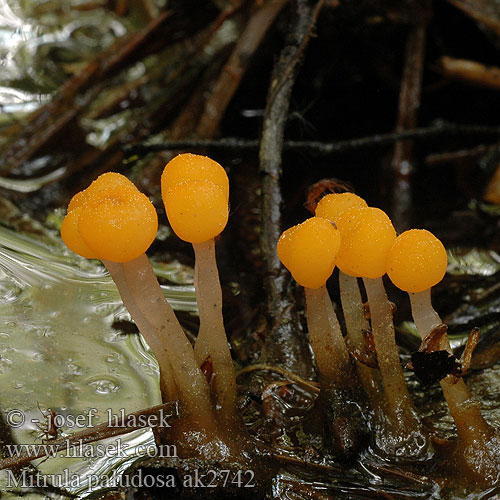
59,350
41,44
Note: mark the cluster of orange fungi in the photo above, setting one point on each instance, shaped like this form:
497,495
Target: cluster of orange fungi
112,221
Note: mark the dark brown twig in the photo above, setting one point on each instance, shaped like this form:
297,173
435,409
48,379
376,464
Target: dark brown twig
53,119
468,8
232,73
462,154
324,148
297,58
283,346
6,437
409,103
471,72
308,384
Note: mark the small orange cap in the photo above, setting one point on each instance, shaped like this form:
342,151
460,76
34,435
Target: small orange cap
367,235
332,205
118,224
104,181
417,261
191,167
197,210
308,251
71,236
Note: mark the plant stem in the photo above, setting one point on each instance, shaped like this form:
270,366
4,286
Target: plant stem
326,337
471,426
404,422
191,384
212,341
167,383
339,386
425,317
354,316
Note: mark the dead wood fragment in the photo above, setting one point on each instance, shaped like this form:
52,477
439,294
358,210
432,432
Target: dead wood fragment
435,340
470,346
485,12
471,72
308,384
435,361
409,104
53,118
462,154
232,73
284,344
492,192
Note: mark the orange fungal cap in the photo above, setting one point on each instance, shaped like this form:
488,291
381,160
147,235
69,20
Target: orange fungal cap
71,236
118,224
197,210
367,235
78,200
417,261
104,181
332,205
308,251
191,167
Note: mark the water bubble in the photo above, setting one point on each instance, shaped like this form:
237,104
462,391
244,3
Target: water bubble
9,292
116,357
104,386
74,369
5,364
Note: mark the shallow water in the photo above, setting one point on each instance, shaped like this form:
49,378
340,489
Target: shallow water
59,350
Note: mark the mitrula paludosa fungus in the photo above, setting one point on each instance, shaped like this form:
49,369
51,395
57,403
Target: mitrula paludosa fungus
114,222
416,262
367,235
330,207
308,251
195,191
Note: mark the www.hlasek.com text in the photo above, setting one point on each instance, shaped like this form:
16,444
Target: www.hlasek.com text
80,449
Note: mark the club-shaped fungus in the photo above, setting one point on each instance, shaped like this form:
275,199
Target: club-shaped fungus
367,235
308,251
117,224
330,207
416,262
195,194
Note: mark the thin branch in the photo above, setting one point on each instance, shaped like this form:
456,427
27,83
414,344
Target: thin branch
232,73
320,147
468,8
409,104
297,58
462,154
471,72
6,437
284,345
312,386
